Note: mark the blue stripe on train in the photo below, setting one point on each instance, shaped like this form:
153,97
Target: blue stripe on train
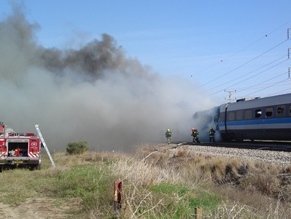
257,122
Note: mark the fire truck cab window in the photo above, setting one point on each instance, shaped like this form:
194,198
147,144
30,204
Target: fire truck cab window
269,112
258,113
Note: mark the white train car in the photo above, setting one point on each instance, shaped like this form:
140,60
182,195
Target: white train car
266,118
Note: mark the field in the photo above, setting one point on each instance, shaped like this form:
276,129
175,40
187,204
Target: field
156,183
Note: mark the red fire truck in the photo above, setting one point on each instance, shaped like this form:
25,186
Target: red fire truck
19,149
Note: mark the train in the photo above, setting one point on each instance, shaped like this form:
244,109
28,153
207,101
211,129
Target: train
267,118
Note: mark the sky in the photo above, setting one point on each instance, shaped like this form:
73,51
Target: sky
118,73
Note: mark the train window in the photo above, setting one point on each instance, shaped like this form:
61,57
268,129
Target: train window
269,112
281,111
231,116
258,113
239,115
289,110
248,114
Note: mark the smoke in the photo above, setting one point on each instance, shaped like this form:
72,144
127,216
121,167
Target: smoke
94,93
205,120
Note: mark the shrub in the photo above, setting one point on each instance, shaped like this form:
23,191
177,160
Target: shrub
77,147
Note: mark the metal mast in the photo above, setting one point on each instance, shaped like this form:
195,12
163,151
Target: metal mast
44,144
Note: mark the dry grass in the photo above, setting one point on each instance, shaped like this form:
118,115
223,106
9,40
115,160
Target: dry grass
158,182
262,189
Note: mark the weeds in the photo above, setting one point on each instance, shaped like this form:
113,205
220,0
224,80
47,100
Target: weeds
157,183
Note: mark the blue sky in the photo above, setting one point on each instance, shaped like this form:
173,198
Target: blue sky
221,46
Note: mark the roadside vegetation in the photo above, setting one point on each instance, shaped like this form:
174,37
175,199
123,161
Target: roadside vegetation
157,182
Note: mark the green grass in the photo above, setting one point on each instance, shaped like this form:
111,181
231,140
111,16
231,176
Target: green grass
181,200
92,183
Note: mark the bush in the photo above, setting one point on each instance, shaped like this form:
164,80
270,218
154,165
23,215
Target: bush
77,147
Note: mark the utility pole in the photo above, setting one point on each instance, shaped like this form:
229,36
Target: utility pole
229,94
288,30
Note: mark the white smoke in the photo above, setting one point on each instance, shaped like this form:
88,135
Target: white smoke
94,93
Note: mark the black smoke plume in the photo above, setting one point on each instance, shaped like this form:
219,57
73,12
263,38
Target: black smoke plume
94,93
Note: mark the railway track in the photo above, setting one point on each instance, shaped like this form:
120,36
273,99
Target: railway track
274,153
257,145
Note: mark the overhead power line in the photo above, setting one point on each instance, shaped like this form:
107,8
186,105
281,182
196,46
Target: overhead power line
256,85
227,73
258,73
244,48
267,87
251,74
240,77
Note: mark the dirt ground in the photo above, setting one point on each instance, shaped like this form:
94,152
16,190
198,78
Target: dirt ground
40,208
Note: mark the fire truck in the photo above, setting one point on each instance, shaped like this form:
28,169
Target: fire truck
19,149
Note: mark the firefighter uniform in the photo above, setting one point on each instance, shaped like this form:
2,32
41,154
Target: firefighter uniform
195,135
168,135
211,135
17,152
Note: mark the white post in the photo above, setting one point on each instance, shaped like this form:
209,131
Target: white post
44,144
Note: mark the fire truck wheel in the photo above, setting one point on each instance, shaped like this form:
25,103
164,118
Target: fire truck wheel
1,168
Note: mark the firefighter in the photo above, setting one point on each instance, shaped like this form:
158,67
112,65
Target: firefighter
17,152
195,135
168,135
211,135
